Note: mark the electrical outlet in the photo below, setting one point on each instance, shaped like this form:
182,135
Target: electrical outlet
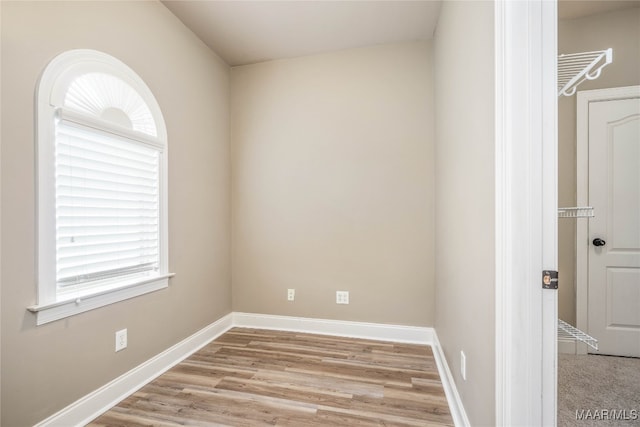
291,294
463,365
342,297
121,339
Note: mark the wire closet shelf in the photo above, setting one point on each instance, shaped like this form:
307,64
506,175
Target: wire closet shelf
565,330
577,212
574,68
568,332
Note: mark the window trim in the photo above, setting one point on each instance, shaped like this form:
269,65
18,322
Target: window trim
52,87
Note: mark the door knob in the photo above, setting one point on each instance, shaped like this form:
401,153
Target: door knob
599,242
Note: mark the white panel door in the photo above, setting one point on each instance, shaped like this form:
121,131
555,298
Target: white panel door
614,232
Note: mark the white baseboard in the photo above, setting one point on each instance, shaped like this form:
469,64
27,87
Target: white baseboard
99,401
456,407
340,328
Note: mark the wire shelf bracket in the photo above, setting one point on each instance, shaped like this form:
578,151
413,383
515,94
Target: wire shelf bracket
568,332
574,68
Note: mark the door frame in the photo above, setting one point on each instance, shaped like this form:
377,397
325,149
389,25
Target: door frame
525,211
582,194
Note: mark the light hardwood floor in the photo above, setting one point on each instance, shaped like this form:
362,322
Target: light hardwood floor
251,377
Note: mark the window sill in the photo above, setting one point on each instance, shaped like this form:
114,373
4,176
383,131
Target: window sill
49,312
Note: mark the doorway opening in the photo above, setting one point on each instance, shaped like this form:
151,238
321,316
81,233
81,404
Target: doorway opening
599,255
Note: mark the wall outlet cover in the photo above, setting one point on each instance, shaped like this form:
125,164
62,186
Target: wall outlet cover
121,339
463,365
342,297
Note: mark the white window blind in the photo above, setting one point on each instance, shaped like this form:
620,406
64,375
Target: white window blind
106,206
102,161
110,98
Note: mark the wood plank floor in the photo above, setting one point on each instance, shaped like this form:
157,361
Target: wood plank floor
250,377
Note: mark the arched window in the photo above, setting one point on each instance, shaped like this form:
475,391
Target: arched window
102,193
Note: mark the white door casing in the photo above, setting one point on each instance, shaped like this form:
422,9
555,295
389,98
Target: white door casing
526,211
608,276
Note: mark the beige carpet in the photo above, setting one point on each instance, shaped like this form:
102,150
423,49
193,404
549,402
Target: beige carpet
589,385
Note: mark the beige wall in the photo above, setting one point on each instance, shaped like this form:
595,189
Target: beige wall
619,30
47,367
465,243
332,183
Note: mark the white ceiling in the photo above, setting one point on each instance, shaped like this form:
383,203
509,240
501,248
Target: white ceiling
245,32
